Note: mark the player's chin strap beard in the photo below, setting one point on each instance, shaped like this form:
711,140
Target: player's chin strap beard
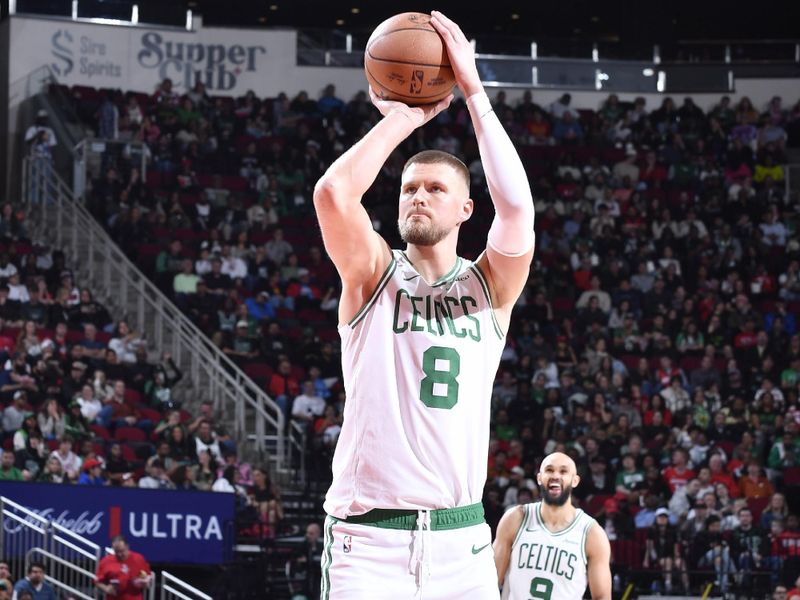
423,547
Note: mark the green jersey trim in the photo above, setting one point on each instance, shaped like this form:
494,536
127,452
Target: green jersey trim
485,286
584,537
446,278
525,517
387,275
566,529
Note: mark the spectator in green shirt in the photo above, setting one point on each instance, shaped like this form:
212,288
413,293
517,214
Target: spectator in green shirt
785,452
629,479
8,472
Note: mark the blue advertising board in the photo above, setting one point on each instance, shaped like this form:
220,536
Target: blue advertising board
164,526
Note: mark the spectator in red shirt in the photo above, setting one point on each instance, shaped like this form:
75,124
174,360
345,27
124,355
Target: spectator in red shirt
678,474
125,574
283,387
718,475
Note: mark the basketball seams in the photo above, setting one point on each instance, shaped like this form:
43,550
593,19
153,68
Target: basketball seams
371,42
408,62
398,94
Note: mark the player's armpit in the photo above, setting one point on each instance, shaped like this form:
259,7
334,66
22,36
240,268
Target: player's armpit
507,530
598,554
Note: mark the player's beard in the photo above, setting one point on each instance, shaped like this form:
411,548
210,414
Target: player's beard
419,233
560,500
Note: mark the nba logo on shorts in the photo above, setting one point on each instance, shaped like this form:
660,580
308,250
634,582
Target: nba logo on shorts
416,81
347,544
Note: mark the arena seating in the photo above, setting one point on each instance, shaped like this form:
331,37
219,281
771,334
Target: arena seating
674,219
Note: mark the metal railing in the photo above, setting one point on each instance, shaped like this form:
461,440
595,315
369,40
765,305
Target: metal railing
173,588
93,156
70,560
64,223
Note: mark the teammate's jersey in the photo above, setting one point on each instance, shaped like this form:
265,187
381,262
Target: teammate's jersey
547,565
419,361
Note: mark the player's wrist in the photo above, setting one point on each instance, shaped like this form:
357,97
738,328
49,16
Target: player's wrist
404,115
479,104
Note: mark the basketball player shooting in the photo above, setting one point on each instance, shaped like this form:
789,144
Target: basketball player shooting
548,550
422,333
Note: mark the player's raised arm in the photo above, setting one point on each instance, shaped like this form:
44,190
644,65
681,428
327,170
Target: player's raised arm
507,530
510,244
598,554
357,251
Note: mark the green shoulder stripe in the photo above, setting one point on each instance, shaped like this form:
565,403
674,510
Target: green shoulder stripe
523,524
584,537
387,275
485,286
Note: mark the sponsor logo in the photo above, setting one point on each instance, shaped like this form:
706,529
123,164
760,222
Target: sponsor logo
91,56
139,524
410,277
62,52
477,550
417,77
347,544
83,523
218,66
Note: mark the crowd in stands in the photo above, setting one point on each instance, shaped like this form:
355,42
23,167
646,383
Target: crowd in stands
656,342
82,403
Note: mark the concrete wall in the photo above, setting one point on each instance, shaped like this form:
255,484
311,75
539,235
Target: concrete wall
5,140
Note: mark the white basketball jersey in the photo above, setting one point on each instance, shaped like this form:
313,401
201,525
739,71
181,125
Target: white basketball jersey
547,565
419,361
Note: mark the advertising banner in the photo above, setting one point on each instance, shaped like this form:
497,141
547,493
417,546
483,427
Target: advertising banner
164,526
228,61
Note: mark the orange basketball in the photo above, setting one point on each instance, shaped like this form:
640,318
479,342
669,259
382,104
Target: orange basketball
406,60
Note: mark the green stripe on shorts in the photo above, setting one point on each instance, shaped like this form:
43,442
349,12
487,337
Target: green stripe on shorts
327,558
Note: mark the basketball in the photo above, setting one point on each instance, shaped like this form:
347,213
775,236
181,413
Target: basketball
406,60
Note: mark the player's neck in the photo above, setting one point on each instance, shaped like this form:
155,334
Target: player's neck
557,518
433,262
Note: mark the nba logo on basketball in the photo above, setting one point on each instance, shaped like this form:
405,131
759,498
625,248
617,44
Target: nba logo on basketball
347,544
416,81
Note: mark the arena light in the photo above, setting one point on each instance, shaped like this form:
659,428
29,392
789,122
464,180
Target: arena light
595,53
648,72
661,82
12,7
74,9
135,14
188,19
599,78
534,50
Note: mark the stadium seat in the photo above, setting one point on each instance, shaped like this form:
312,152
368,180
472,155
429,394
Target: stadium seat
130,434
100,432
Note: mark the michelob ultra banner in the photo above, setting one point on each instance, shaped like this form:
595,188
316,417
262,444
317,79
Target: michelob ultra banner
165,526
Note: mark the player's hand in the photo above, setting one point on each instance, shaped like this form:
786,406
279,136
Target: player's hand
462,56
417,115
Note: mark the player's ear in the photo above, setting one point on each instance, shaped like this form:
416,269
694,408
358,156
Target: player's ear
576,479
539,478
466,209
